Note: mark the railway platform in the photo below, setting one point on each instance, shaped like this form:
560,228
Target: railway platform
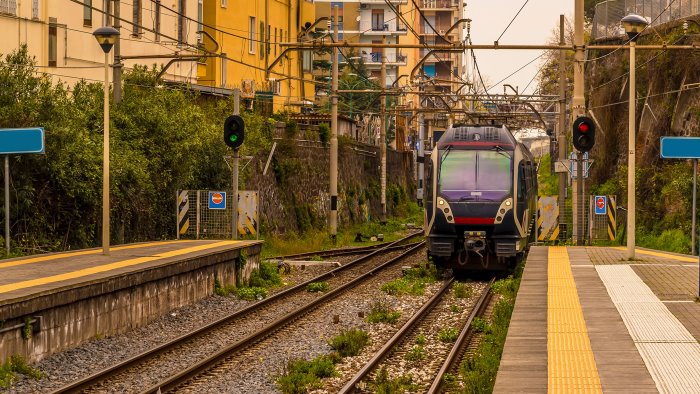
55,301
588,320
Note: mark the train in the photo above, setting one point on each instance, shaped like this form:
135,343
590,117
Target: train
480,199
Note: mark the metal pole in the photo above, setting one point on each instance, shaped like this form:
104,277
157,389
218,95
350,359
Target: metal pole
7,203
334,132
579,199
234,171
421,157
105,164
382,136
117,70
578,99
631,204
561,138
695,189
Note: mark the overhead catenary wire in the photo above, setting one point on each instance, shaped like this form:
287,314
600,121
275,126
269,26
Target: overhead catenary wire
512,20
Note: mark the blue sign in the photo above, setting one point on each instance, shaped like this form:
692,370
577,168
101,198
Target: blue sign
601,205
16,141
217,200
680,147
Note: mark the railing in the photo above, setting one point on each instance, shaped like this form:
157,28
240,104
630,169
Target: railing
388,27
436,4
606,21
376,57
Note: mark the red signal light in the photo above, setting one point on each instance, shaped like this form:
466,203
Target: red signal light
583,128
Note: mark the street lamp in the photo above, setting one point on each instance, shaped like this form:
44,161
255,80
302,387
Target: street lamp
106,37
633,25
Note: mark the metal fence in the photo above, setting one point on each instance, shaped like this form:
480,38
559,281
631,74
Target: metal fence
201,218
556,224
606,21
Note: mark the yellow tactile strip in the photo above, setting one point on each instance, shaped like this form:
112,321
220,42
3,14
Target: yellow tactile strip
56,256
111,266
571,366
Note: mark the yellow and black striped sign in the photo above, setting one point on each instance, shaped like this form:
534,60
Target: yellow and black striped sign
612,218
183,206
547,218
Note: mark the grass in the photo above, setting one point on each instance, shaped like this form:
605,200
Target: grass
17,365
383,385
448,334
480,325
413,281
303,376
416,353
350,342
455,308
479,370
317,287
316,239
420,339
266,276
380,312
463,290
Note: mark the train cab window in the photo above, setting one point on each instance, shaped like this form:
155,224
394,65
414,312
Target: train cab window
522,182
428,175
467,175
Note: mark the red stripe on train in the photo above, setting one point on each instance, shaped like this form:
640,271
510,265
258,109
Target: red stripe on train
459,220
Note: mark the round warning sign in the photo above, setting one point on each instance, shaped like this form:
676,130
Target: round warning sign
217,200
600,205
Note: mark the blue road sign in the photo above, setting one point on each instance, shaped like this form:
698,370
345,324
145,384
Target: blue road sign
17,141
601,205
217,200
680,147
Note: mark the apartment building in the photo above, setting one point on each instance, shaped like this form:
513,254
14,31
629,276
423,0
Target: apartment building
439,16
247,35
58,34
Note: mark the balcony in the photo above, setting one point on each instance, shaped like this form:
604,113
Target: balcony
392,59
382,29
440,4
383,2
441,29
440,56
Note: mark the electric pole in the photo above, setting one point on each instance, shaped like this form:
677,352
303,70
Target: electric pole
334,132
382,135
117,68
561,140
577,109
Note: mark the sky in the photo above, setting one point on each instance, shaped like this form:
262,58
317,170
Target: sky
534,25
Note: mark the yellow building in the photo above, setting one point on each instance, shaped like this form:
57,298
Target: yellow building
58,33
247,34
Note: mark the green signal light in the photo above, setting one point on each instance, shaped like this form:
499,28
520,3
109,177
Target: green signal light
233,138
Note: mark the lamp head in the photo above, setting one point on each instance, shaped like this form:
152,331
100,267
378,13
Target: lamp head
106,37
633,25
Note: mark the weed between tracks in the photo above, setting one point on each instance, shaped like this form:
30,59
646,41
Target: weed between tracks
302,376
479,370
10,369
264,278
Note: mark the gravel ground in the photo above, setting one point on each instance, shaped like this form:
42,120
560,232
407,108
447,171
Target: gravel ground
307,339
73,364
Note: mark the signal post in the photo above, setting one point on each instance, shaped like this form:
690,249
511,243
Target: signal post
234,134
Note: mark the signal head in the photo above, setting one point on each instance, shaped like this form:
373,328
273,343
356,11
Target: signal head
584,134
234,131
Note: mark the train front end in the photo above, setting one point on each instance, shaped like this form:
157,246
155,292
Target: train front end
478,206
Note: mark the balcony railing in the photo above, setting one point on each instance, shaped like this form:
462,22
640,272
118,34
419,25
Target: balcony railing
369,27
391,58
440,4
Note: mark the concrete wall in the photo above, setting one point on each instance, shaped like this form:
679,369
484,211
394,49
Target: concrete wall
112,306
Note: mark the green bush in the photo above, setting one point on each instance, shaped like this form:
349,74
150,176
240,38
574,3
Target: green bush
350,342
463,290
317,287
303,376
448,334
480,325
403,286
17,364
380,312
324,133
251,293
383,385
266,276
416,353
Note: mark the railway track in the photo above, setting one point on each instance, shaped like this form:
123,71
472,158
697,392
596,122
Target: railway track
199,350
341,251
394,352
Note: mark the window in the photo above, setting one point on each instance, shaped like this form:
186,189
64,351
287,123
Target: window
87,13
8,7
224,70
268,39
251,34
224,3
307,61
136,30
200,19
277,40
156,22
53,42
378,20
262,40
474,175
181,33
35,9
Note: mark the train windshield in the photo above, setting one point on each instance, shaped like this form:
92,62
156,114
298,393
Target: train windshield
471,175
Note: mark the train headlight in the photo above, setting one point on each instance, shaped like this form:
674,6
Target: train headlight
441,202
508,203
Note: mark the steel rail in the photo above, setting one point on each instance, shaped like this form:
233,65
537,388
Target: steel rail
395,340
174,381
462,341
339,252
106,373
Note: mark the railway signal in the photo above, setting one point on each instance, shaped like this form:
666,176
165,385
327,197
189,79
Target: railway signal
234,131
584,134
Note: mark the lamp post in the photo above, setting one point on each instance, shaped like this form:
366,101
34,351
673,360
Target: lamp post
106,37
633,25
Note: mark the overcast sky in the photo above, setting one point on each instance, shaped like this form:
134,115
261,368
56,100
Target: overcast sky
533,25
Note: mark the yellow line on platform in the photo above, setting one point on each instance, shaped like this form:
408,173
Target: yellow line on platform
109,267
662,254
56,256
571,365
